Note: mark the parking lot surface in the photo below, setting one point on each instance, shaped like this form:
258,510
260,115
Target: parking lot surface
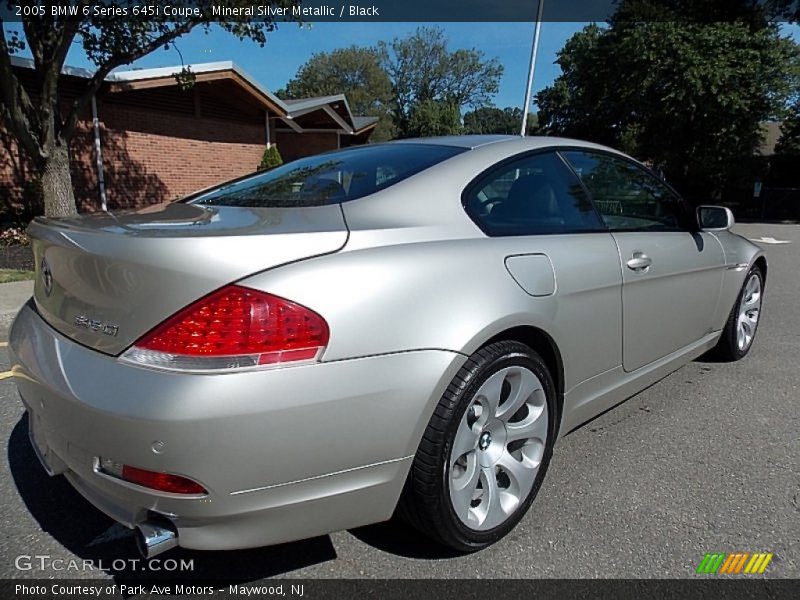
706,460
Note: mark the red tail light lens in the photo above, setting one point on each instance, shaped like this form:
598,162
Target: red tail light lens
163,482
233,328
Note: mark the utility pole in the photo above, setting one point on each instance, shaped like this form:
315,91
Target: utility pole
532,68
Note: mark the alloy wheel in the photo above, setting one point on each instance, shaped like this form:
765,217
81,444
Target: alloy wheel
749,312
498,448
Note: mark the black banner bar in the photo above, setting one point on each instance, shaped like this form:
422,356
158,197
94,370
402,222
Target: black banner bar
378,10
739,588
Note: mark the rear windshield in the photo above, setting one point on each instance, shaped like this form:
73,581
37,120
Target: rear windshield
329,178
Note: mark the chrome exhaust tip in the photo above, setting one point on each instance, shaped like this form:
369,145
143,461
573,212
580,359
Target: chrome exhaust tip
154,538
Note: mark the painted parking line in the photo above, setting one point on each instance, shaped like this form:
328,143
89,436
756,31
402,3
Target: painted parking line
6,374
769,240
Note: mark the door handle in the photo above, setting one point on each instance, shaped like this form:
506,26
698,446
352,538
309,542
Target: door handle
640,262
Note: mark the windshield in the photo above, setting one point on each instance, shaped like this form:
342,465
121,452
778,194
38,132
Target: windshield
330,178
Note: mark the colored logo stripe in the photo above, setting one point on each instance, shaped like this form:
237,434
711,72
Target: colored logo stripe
710,563
734,563
758,563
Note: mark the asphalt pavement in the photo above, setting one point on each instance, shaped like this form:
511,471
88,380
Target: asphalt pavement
706,460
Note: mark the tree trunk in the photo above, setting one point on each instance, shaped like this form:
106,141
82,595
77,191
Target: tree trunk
59,199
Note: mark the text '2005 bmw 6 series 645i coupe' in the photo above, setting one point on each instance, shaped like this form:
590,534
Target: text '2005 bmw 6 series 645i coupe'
406,327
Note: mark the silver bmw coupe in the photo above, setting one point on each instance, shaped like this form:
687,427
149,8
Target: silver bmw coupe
399,328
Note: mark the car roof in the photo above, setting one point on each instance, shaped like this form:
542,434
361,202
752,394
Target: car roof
476,141
460,141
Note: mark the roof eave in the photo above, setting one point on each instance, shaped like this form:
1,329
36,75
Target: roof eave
163,77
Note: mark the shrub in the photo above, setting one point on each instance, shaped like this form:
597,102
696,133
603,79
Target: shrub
14,236
271,158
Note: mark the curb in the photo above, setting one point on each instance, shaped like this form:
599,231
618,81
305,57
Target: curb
12,296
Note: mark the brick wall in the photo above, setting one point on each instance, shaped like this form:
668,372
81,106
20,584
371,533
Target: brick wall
148,157
154,156
15,169
17,173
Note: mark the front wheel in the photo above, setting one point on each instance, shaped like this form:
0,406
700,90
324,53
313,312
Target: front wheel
740,330
485,451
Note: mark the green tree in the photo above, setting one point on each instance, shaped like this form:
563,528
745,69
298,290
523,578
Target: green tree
783,165
423,70
43,122
489,119
434,117
789,142
687,96
354,71
755,12
270,159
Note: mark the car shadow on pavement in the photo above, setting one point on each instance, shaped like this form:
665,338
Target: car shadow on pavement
397,537
90,535
711,357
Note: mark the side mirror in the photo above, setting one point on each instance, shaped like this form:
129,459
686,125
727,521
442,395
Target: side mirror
714,218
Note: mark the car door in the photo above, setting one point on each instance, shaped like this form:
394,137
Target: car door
555,246
671,272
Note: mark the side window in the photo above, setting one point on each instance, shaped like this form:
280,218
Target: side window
534,195
627,196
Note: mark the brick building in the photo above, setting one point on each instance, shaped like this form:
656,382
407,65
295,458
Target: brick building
160,142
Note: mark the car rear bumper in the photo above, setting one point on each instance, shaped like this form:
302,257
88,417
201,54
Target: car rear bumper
285,453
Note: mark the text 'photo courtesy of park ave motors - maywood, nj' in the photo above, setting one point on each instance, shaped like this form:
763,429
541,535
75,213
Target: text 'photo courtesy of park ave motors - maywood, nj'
133,590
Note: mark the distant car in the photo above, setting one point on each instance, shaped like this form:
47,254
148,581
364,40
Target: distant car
407,326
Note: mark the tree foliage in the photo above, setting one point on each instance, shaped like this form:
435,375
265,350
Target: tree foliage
415,84
434,117
783,168
353,71
424,71
490,119
754,12
687,96
270,159
43,122
789,142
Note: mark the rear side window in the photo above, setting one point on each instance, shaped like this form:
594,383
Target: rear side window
330,178
536,194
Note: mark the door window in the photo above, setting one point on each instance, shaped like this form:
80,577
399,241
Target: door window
628,197
536,194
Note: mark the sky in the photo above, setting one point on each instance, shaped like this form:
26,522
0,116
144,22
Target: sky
290,46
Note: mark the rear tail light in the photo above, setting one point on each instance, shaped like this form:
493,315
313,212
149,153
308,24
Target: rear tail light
233,328
163,482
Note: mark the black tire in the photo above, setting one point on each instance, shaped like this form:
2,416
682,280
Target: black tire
727,348
425,502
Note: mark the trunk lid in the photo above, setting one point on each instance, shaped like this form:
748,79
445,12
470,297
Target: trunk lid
105,280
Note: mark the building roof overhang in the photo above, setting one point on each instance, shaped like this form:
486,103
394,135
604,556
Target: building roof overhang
330,113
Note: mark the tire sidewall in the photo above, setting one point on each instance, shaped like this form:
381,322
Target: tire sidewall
523,357
734,329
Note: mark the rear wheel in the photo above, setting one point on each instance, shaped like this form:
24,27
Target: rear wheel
485,451
740,330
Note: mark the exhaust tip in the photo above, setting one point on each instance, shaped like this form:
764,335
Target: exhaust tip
154,538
